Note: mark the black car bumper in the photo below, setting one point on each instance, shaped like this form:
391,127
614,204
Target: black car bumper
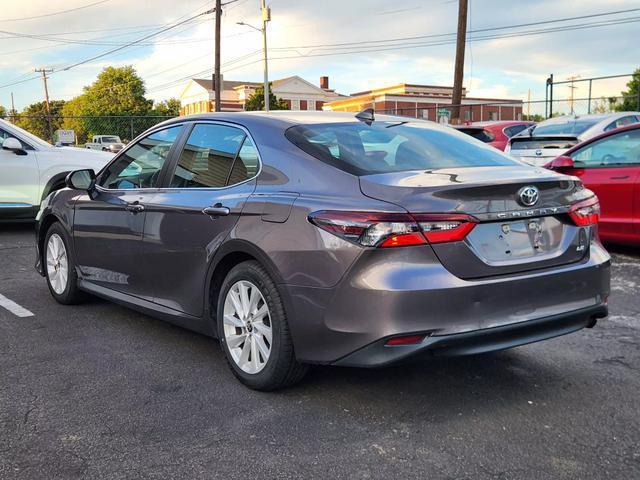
379,354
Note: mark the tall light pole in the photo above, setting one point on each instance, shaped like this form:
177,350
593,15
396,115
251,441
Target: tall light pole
44,72
266,17
217,83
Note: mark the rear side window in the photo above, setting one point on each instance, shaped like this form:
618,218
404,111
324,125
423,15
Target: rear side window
208,156
514,130
246,164
479,134
393,147
570,127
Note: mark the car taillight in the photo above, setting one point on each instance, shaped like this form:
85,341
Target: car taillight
441,228
586,212
378,229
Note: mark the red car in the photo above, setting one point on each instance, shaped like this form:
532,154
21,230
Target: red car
609,164
497,133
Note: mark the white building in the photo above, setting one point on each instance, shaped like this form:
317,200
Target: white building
198,95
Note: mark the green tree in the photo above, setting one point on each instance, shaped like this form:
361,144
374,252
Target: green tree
256,101
167,108
534,117
3,112
34,118
72,113
601,106
631,99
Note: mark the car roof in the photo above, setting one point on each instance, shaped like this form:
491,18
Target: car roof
633,126
501,123
284,118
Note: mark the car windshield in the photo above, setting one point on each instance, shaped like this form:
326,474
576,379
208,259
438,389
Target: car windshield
570,127
384,147
110,140
28,136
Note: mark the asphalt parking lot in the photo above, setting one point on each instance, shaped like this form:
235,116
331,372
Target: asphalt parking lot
98,391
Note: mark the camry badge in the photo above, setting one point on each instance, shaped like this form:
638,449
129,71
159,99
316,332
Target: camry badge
528,195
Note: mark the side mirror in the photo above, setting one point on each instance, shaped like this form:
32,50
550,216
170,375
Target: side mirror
81,180
562,163
14,145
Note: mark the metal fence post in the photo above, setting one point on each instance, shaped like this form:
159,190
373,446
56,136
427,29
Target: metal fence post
589,106
131,124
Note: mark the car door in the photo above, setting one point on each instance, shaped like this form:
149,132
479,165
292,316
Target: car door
19,178
611,168
206,190
109,221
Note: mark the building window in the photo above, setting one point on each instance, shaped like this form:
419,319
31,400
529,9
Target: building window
295,104
311,104
493,116
468,117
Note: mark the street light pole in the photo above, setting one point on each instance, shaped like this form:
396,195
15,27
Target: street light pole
266,16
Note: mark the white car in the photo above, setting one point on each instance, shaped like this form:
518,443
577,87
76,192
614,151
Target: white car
545,141
31,168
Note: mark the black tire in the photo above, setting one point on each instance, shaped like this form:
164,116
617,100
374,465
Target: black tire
71,294
281,369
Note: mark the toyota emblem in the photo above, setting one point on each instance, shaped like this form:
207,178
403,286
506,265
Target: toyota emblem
529,195
538,152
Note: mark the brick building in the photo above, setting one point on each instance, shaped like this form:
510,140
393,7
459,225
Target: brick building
429,102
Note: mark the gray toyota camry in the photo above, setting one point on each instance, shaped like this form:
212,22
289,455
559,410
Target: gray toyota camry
300,238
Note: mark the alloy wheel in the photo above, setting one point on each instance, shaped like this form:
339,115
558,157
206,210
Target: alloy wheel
57,264
247,327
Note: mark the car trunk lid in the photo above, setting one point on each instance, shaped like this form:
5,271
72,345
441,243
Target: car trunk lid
538,150
510,236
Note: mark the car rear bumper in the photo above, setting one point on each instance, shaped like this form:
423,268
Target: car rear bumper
485,340
406,291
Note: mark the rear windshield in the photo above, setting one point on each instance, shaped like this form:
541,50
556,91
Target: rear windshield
384,147
571,127
479,134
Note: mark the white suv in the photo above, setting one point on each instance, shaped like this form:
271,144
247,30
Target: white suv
31,168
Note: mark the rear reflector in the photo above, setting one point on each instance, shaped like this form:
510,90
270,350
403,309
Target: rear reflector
586,212
405,340
384,230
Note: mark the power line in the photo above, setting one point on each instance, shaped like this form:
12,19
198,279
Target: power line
55,13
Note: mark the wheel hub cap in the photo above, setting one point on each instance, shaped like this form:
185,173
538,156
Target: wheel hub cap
247,326
57,264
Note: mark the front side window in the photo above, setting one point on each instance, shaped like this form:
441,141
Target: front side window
393,146
141,164
617,150
208,157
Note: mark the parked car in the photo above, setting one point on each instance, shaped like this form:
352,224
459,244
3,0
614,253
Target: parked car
497,133
551,138
609,164
106,143
294,240
31,168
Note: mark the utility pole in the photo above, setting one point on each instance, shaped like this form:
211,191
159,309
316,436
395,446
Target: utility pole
44,72
458,75
12,116
266,17
217,83
572,88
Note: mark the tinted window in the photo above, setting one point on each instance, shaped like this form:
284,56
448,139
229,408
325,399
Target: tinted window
479,134
514,130
141,164
4,135
207,157
391,147
617,150
621,122
246,164
570,127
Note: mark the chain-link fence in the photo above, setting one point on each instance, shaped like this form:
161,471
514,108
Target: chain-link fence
473,111
85,127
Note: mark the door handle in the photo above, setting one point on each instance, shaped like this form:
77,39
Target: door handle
624,177
216,211
134,207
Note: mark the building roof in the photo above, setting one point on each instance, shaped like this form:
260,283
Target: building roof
226,84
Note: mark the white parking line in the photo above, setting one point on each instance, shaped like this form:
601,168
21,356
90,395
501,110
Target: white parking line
14,308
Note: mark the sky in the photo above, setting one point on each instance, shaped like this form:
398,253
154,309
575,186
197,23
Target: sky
77,30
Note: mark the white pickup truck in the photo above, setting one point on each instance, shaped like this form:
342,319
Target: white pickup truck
30,169
106,143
